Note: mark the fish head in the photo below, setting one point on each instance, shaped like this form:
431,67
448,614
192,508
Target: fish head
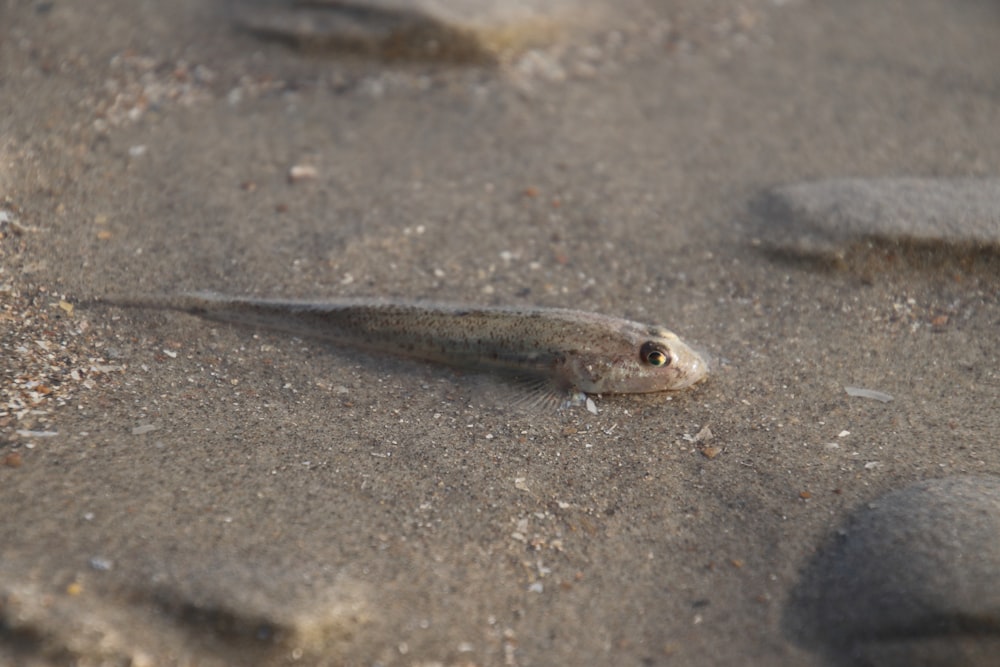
644,360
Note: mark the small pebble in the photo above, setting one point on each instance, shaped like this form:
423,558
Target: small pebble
710,451
101,564
302,172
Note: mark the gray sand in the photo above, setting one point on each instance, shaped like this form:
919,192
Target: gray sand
177,492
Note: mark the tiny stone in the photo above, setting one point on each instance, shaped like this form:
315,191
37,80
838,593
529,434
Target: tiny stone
302,172
101,564
710,452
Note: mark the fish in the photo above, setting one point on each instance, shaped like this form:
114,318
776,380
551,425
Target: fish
561,350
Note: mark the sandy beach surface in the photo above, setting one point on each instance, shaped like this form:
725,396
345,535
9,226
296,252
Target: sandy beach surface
180,492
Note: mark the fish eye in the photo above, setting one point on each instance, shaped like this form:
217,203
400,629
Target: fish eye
654,354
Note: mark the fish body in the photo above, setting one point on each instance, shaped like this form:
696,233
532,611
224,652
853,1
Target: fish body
573,350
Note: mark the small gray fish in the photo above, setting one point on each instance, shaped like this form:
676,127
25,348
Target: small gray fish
565,350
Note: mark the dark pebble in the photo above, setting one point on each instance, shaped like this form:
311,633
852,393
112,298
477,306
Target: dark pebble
912,579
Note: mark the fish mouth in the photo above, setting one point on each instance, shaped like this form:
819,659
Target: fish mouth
699,363
705,358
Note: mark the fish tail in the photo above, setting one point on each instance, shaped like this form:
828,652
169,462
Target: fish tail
190,302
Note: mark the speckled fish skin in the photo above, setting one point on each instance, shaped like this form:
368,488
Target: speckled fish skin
576,351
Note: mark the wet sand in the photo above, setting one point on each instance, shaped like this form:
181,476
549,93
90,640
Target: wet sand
182,492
